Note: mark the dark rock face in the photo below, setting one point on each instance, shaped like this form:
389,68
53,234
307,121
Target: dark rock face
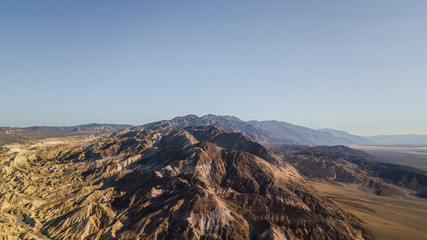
194,183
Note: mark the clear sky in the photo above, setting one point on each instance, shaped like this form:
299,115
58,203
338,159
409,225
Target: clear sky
359,66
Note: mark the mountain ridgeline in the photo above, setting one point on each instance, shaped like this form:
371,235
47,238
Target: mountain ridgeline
260,131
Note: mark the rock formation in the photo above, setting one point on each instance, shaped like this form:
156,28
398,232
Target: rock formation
169,183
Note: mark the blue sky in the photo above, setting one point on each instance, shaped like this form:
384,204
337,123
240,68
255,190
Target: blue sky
359,66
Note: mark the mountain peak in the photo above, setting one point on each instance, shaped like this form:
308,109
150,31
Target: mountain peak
224,117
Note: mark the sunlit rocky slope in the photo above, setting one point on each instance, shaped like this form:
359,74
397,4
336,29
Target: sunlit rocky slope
191,183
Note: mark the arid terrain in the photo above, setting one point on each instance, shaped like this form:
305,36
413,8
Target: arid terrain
201,181
193,183
213,120
399,216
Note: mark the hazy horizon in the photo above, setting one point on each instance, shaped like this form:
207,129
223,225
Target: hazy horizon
358,66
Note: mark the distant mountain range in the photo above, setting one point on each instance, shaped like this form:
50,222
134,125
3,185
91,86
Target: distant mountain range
399,139
346,135
12,134
278,132
260,131
271,132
